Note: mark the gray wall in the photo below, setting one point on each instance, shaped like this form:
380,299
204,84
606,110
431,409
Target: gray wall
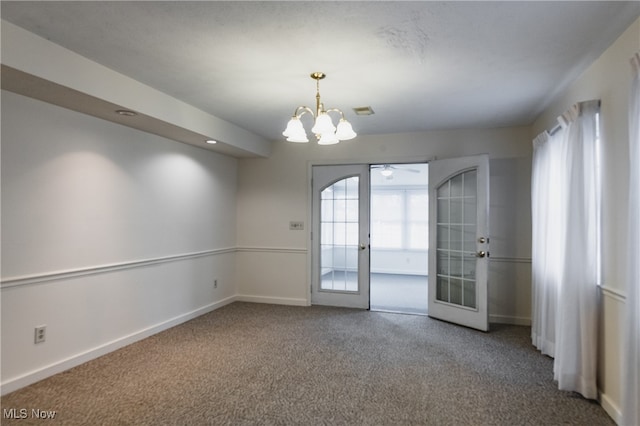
109,234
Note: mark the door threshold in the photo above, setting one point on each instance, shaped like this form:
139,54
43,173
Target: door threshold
391,311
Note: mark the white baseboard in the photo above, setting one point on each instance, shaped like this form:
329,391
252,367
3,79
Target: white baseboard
610,407
506,319
78,359
272,300
75,360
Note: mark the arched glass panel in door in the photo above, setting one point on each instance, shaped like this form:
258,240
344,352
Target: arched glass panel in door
339,227
456,241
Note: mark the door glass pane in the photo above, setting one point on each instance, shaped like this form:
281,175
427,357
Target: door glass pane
442,288
339,212
456,213
327,208
327,235
351,211
339,233
457,186
456,240
455,264
352,185
469,238
469,294
455,291
455,237
470,183
351,239
443,263
470,210
469,266
443,236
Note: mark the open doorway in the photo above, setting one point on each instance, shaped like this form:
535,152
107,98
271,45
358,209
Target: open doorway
399,229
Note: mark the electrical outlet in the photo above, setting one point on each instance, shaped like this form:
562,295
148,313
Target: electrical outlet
215,283
40,334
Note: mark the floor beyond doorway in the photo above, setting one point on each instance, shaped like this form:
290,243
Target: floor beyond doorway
399,293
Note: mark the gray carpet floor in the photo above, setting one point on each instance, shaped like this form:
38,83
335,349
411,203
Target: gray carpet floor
252,364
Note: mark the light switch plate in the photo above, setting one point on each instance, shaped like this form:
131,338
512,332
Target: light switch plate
296,226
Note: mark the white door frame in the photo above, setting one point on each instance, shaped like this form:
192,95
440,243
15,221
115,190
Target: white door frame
367,161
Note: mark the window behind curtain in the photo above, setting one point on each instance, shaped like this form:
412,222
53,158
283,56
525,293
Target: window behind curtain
399,219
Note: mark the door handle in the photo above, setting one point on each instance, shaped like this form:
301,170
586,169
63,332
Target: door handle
363,246
481,254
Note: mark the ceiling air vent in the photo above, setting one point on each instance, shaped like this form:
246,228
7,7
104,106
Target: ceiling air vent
363,110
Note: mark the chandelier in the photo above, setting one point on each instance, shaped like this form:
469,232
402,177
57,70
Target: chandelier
323,128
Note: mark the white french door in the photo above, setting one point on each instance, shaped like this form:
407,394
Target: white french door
459,240
340,236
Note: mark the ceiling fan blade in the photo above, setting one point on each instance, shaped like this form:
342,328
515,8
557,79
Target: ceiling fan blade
405,169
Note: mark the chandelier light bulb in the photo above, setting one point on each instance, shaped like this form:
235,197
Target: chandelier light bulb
294,126
323,124
328,139
295,132
345,131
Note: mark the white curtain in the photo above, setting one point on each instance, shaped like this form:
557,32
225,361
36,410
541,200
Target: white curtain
566,247
545,202
631,363
577,316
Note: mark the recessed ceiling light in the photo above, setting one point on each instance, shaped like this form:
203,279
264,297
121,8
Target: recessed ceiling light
126,113
211,141
366,110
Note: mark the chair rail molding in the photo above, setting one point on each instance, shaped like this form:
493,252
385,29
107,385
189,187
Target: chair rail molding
254,249
103,269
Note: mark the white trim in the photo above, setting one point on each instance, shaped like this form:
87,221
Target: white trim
507,319
290,301
290,250
42,373
309,188
102,269
613,293
369,161
509,259
397,272
610,407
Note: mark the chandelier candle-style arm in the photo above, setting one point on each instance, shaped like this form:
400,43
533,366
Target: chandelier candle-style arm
304,109
323,128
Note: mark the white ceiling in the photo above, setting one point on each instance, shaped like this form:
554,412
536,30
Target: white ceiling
419,65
